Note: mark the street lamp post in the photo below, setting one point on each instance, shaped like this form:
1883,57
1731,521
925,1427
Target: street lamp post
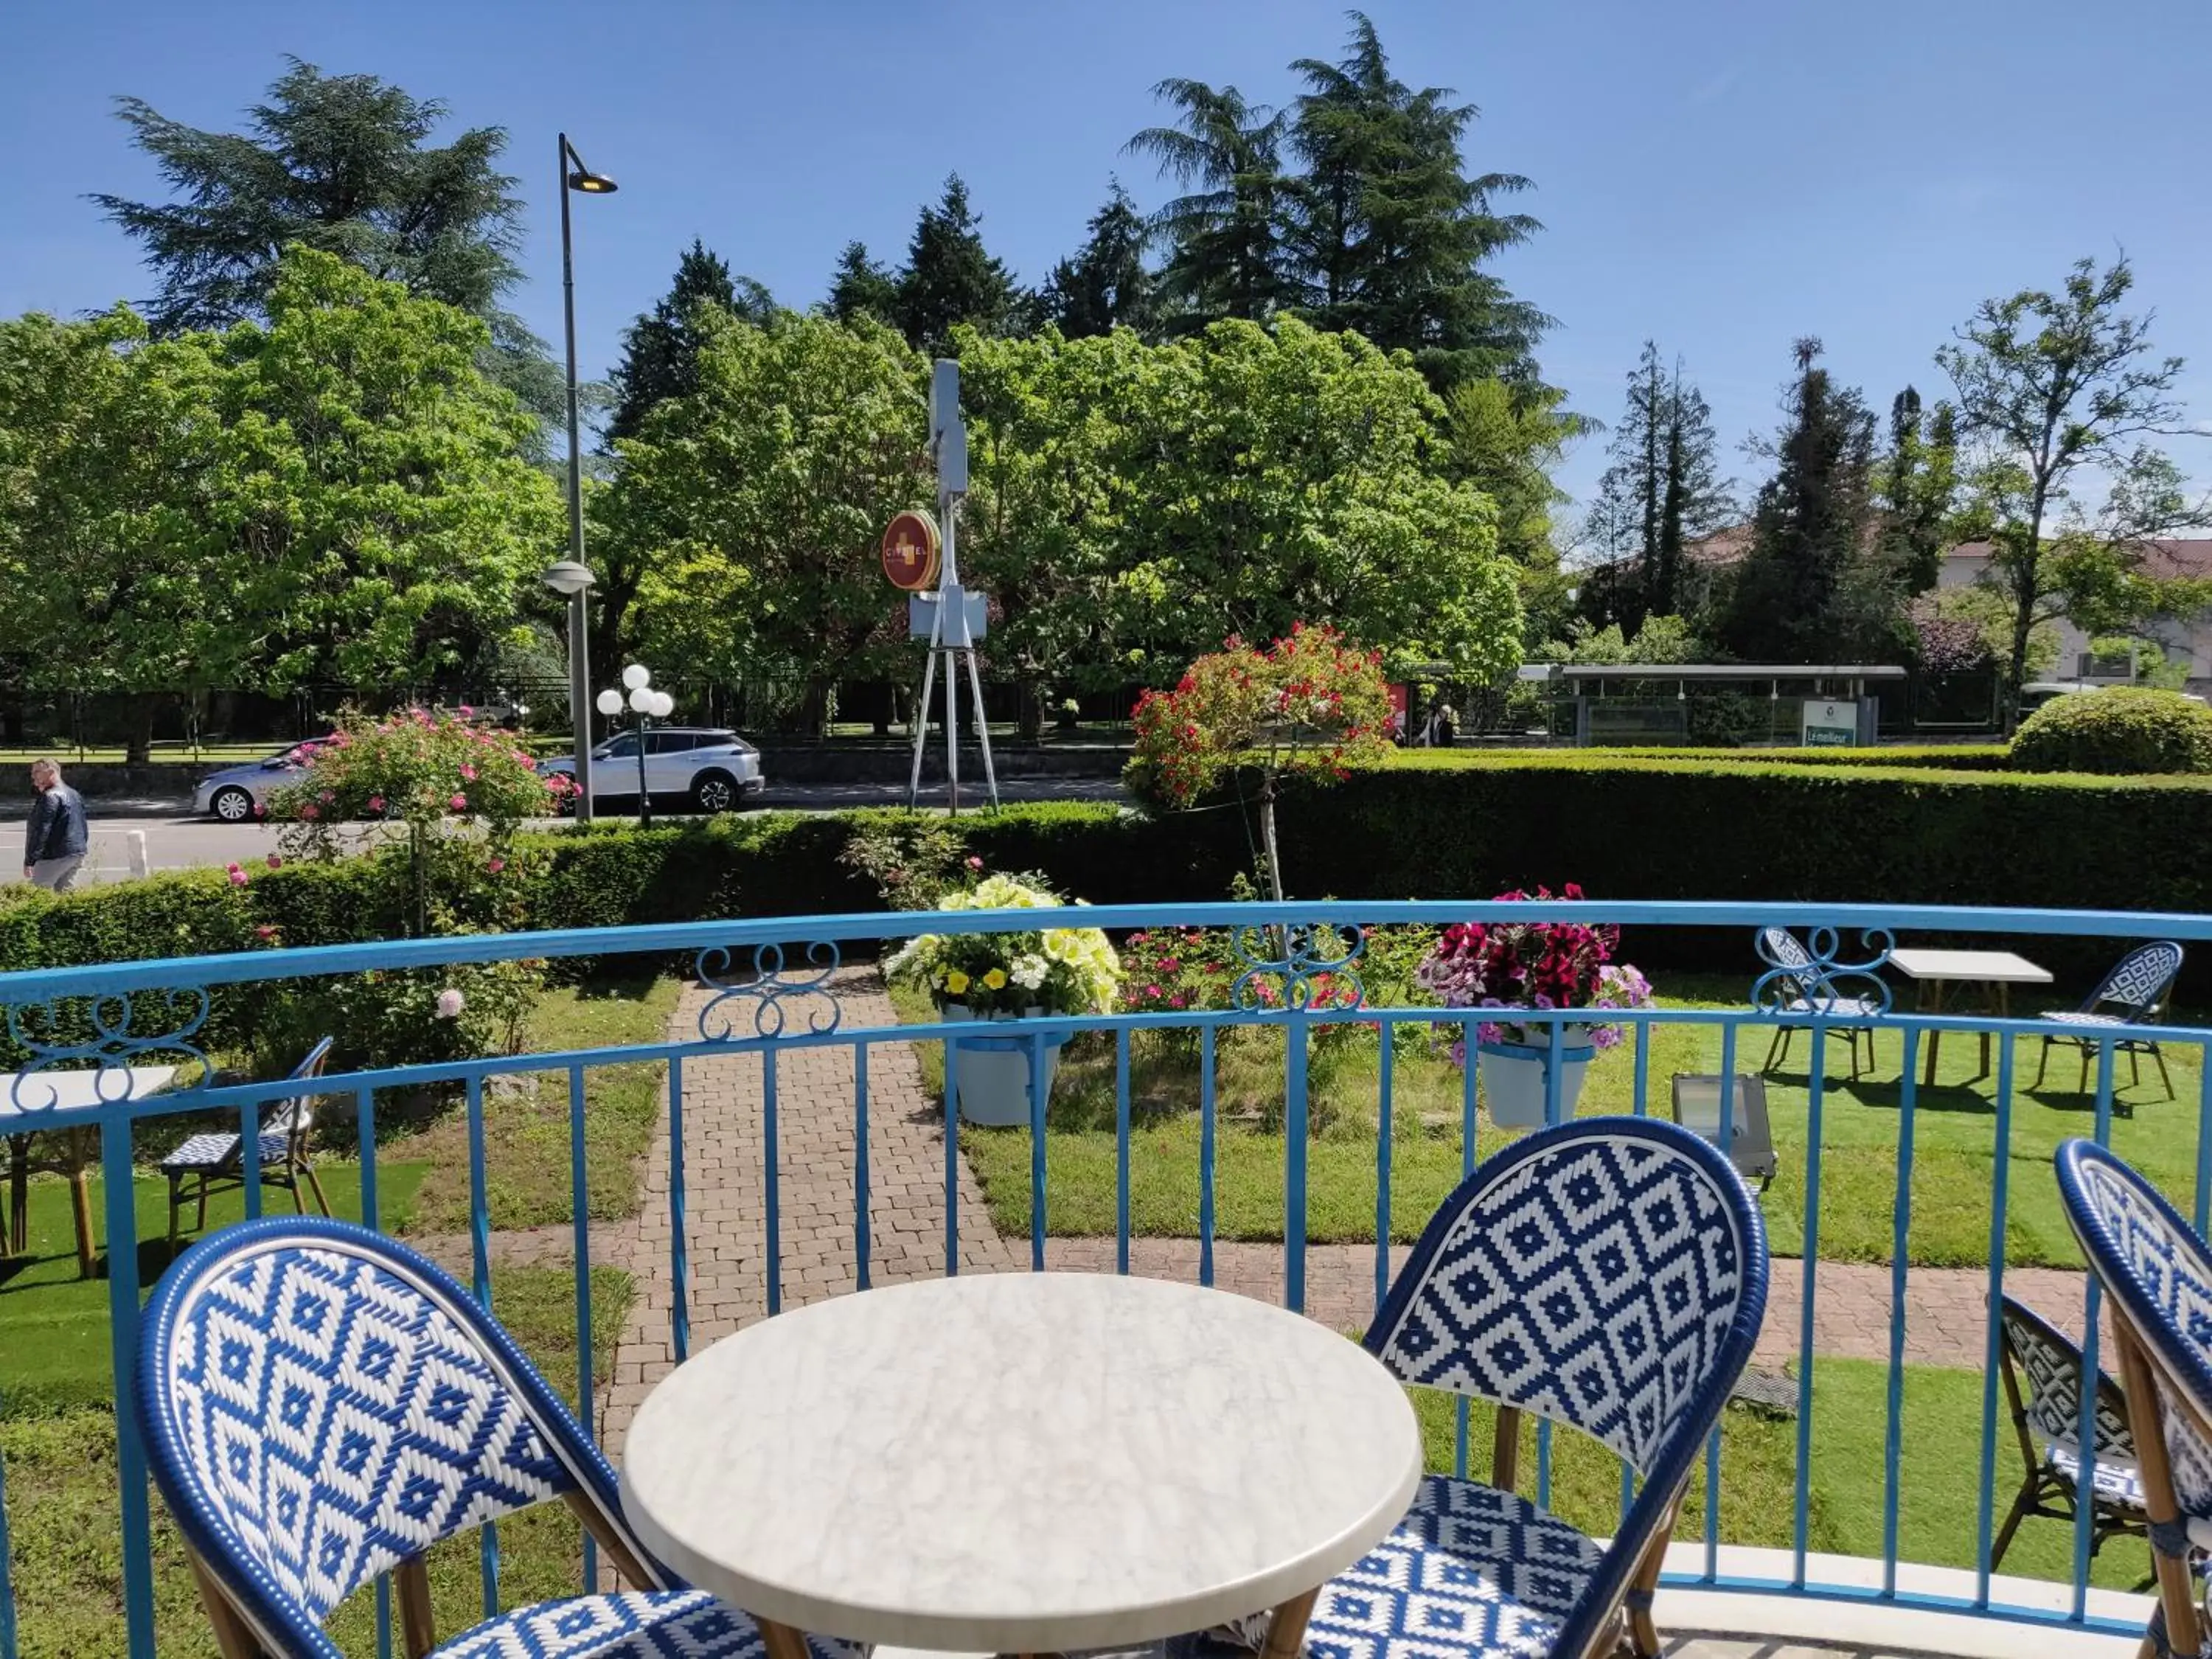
573,581
649,705
574,577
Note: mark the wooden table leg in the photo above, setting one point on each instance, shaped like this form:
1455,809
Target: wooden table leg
782,1641
1286,1631
81,1205
2004,1000
1929,998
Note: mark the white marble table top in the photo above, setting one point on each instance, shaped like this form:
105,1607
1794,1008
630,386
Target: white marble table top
1984,967
70,1089
1021,1462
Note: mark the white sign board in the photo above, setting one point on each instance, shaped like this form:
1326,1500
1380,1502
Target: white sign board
1828,725
921,616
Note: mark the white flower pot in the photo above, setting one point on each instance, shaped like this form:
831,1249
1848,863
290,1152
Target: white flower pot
993,1071
1513,1076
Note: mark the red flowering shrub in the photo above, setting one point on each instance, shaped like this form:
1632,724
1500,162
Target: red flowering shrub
1309,703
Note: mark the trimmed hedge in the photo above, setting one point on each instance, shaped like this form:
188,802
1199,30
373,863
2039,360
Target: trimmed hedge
2119,730
1424,825
1951,757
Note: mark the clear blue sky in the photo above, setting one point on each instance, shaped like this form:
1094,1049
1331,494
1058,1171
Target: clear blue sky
1723,175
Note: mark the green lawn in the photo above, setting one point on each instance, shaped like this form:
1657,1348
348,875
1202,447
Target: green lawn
1954,1156
53,1325
1938,1473
526,1142
62,1507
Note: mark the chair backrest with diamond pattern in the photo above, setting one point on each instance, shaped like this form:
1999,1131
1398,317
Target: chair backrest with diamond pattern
2158,1274
1783,950
2139,979
2051,1366
320,1404
295,1115
1609,1274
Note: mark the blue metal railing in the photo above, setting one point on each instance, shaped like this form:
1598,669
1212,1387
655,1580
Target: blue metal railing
784,1003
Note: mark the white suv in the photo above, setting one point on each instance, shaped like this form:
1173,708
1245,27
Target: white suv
716,770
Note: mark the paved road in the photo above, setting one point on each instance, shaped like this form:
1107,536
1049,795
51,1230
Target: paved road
175,841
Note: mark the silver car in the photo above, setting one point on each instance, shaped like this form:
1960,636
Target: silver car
714,768
239,792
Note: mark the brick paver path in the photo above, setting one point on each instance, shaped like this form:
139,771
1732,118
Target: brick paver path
724,1171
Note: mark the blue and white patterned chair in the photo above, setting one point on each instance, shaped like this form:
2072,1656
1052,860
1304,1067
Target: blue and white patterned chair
217,1161
2157,1278
2131,996
1810,994
2043,1384
320,1404
1610,1275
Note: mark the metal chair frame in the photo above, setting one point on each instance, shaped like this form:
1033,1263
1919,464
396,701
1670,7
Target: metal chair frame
294,1120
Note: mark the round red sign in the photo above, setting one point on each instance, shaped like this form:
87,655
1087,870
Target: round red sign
911,547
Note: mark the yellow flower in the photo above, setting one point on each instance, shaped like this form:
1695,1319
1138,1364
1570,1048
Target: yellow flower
994,980
956,982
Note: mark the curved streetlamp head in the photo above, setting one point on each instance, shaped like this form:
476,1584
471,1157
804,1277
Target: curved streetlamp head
636,677
569,578
581,177
611,702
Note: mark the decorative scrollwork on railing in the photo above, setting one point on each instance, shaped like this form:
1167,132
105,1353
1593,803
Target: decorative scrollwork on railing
1298,965
105,1036
1812,978
770,999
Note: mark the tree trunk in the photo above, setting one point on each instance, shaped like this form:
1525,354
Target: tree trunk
138,743
814,712
1029,724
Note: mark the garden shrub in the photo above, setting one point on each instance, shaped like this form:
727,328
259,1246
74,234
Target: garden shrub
2122,729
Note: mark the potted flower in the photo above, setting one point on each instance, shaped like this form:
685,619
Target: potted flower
1070,712
1001,976
1529,966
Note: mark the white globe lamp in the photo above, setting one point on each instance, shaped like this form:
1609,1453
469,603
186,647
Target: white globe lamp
641,700
611,703
637,676
663,705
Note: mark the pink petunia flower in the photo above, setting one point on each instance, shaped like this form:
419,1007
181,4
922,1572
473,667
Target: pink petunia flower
459,802
309,810
237,876
497,866
275,862
450,1004
468,772
376,803
264,932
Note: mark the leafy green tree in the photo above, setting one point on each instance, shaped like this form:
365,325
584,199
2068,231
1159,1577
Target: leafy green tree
1226,256
388,518
1388,232
1794,598
2057,389
661,361
335,493
949,277
861,287
1271,479
342,163
1918,489
1105,285
114,577
755,506
1505,440
1662,488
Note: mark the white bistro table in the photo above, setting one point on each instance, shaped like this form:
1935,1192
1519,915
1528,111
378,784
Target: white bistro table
1931,970
1022,1463
26,1099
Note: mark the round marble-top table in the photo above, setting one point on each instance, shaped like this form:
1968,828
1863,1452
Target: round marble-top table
1022,1463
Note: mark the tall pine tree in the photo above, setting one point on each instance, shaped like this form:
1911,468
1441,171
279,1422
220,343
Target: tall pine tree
1226,251
1799,594
861,287
1105,286
1388,232
1919,489
344,164
660,349
1661,490
951,277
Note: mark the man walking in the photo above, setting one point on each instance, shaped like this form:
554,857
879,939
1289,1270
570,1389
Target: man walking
55,841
